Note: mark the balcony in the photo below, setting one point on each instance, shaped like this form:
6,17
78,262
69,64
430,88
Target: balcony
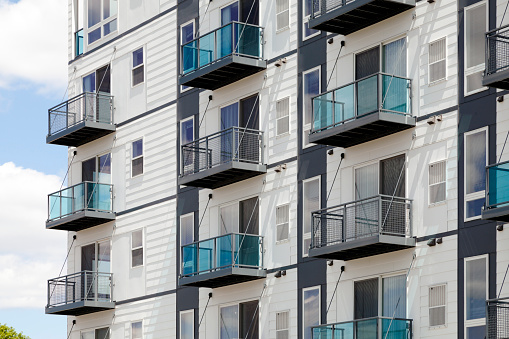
223,158
497,318
78,42
349,16
80,293
80,206
497,58
362,228
84,118
370,328
223,56
221,261
367,109
497,193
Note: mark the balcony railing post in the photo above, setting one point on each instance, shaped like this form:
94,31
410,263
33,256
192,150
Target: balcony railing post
207,163
96,285
410,221
380,213
234,146
379,91
49,293
379,327
343,224
262,149
65,293
233,248
84,293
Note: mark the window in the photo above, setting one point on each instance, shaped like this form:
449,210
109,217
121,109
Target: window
230,13
97,169
98,82
389,58
311,193
137,248
437,63
311,310
476,293
308,32
187,324
138,70
437,187
476,143
102,18
283,325
283,116
100,333
137,330
239,320
187,34
187,130
282,222
282,15
137,158
437,303
240,217
186,229
311,86
475,28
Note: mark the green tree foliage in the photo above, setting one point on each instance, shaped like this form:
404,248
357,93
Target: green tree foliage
7,332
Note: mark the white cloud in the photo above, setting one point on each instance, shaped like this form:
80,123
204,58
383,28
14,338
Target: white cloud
34,40
29,254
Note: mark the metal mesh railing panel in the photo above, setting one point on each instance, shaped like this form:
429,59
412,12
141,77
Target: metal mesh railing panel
321,7
233,144
84,107
497,50
395,216
497,319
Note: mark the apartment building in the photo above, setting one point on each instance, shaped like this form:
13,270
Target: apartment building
284,169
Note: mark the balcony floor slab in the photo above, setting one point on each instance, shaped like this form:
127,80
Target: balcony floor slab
80,134
499,79
223,277
500,213
80,220
81,307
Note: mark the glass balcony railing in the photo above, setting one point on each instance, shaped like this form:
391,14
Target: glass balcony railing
235,38
375,93
497,182
370,328
227,251
497,58
86,196
497,318
78,36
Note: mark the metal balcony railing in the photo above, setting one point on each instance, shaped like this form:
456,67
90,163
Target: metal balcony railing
81,286
497,50
96,107
497,184
233,144
234,38
232,250
321,7
377,215
83,196
369,328
376,93
497,318
78,40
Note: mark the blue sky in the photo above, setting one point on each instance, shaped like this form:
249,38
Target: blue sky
33,67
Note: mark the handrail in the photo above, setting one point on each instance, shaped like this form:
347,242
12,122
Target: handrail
217,29
221,132
79,273
496,189
363,319
360,200
348,329
221,236
81,183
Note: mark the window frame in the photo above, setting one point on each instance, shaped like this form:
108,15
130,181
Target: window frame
236,303
279,30
431,83
142,247
193,22
430,204
288,224
181,134
380,46
239,9
100,24
306,127
480,67
479,194
131,332
280,135
305,289
180,321
287,311
138,157
305,20
445,306
479,321
187,215
142,65
306,236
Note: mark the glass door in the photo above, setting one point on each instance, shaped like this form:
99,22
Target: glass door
229,118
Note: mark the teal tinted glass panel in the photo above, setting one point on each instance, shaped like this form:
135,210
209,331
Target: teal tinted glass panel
324,332
54,206
79,42
206,255
344,103
367,95
345,331
498,184
206,49
395,94
249,254
225,41
367,329
190,56
224,251
395,329
248,40
323,111
189,254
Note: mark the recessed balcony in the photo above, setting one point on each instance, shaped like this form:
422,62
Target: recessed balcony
497,318
80,293
370,328
223,56
367,109
497,193
221,261
79,120
348,16
80,206
497,58
362,228
223,158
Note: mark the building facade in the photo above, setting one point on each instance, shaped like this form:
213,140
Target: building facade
284,169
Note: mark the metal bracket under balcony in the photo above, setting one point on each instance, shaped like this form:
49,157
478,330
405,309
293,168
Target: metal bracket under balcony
221,261
496,73
80,293
81,206
223,158
372,328
348,16
223,56
365,110
497,318
84,118
497,193
362,228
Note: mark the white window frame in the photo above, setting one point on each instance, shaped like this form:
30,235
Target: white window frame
193,21
181,123
288,222
139,66
306,128
445,305
100,25
288,324
219,215
138,157
279,30
430,204
479,194
134,322
480,321
303,329
180,320
188,215
380,46
430,83
306,236
479,67
305,19
287,116
142,247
